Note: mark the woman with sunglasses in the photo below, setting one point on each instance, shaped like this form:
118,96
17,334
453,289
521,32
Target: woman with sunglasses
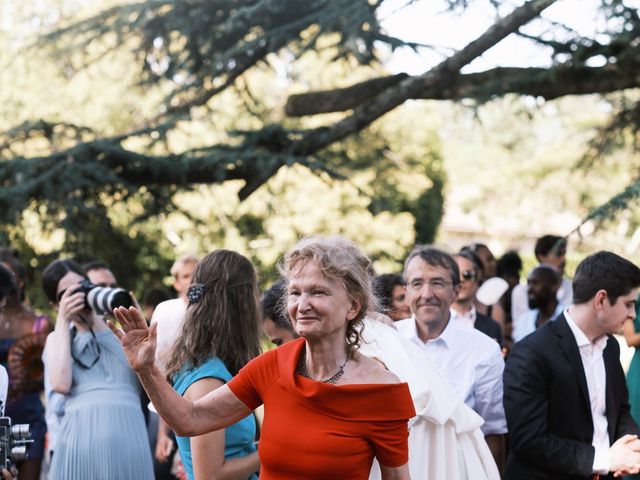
102,433
464,309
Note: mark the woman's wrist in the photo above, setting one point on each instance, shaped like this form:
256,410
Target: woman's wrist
61,321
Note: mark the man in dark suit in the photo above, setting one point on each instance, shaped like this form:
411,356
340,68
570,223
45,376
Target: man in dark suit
463,310
565,395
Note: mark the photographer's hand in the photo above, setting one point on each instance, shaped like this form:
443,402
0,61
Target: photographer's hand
70,304
10,474
138,340
58,347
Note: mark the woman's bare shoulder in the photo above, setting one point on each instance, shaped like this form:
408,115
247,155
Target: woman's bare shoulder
372,371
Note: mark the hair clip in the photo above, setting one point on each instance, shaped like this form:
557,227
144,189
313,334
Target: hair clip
195,292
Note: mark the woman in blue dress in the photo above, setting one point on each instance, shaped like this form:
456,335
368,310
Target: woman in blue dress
102,433
220,334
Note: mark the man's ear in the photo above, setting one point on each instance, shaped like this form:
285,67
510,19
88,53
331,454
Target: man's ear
600,299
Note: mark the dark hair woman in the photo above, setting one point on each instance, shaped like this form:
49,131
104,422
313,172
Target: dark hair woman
390,291
328,410
220,334
275,320
102,433
22,338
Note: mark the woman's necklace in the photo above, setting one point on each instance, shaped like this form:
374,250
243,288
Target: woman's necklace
301,369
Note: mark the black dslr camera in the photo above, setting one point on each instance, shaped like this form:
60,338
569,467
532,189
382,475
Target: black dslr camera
14,442
103,300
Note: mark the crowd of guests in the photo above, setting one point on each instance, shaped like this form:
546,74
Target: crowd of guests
452,368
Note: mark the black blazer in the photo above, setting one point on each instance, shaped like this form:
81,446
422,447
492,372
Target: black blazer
489,327
546,403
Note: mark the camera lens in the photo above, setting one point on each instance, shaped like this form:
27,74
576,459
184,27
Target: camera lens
20,431
103,300
19,453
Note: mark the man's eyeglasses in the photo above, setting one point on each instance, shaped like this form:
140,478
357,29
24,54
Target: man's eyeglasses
469,275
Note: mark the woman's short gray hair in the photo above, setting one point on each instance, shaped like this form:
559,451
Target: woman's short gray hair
341,260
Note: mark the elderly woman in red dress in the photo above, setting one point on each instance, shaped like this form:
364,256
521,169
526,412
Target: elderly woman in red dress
328,410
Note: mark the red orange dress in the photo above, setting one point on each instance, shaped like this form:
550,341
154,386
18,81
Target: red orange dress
315,430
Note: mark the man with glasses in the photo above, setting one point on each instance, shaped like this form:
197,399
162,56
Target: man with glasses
463,310
469,360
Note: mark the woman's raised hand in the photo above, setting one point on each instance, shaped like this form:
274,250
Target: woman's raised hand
138,340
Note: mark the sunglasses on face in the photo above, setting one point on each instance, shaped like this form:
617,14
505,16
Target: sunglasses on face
469,274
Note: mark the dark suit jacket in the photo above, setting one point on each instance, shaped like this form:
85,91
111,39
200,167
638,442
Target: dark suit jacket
489,327
546,403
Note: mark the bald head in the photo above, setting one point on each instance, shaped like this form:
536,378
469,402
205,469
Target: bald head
543,283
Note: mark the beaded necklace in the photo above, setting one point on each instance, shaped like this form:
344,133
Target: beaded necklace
301,369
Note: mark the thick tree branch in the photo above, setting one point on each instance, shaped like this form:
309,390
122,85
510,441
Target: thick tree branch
364,115
104,166
549,83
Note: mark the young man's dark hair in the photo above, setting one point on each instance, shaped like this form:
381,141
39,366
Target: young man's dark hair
549,243
604,271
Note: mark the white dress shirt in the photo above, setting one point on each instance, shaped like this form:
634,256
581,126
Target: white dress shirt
467,319
472,364
446,432
594,371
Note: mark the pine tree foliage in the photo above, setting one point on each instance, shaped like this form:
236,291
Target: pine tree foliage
195,50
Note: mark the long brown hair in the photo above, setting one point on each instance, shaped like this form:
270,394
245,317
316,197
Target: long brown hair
225,321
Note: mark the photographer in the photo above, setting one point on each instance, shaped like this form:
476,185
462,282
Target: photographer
102,434
7,287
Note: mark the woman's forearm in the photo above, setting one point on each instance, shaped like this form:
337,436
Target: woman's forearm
174,410
395,473
59,360
187,418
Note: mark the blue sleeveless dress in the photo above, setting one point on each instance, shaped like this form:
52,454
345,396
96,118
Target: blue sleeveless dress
238,438
102,434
